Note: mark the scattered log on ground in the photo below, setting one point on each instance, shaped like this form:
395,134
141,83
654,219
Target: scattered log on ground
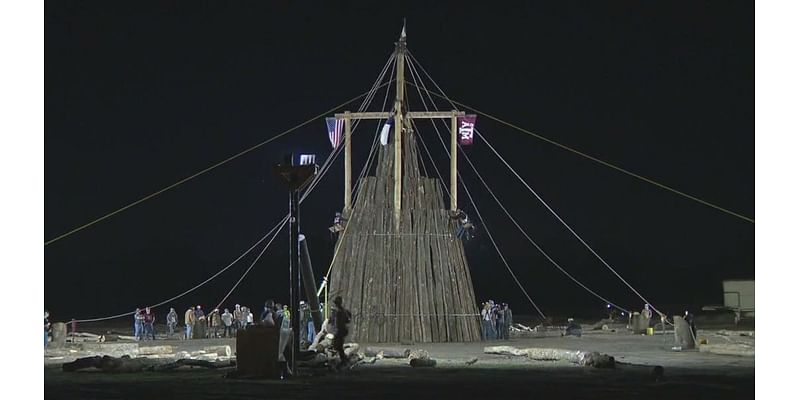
387,352
222,351
185,362
123,364
472,360
583,358
150,350
729,349
318,361
420,358
111,349
422,362
81,363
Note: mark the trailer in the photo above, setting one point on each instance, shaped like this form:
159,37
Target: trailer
738,296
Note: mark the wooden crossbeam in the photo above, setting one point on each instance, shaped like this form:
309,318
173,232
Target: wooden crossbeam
410,114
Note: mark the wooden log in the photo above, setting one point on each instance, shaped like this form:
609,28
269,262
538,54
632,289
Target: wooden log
193,363
422,362
583,358
149,350
222,351
387,352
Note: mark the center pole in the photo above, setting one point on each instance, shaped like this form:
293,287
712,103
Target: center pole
398,128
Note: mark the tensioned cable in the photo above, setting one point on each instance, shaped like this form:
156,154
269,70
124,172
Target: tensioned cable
285,220
559,217
485,227
326,166
508,214
237,155
496,247
317,178
582,154
189,290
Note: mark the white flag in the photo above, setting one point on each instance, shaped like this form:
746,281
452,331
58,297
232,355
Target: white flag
385,132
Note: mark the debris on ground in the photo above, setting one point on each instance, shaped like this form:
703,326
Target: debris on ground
582,358
472,360
420,358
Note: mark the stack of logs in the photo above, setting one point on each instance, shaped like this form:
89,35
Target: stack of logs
408,285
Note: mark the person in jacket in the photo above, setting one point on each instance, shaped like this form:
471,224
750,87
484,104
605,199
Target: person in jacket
149,319
46,327
227,323
138,324
268,315
237,317
189,319
215,323
342,318
172,321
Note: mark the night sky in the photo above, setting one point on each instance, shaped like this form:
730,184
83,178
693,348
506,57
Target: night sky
139,96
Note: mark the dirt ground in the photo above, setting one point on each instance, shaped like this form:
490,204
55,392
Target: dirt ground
687,375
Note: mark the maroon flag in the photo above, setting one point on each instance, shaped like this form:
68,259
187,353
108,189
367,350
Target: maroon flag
466,129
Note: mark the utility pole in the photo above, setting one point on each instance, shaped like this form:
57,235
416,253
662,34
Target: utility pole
348,166
295,177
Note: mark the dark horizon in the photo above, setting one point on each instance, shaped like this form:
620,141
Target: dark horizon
140,97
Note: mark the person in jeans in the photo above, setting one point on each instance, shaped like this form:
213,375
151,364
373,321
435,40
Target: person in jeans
188,319
138,324
46,326
227,322
149,318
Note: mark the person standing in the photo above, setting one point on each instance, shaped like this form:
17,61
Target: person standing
342,318
248,320
138,324
268,316
227,322
149,319
188,319
486,319
500,322
172,321
509,320
216,322
237,317
46,327
307,321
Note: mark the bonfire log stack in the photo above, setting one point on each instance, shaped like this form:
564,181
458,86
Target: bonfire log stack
406,285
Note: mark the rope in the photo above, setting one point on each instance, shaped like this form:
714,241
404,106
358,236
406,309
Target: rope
285,220
559,217
187,291
190,177
315,181
505,210
485,227
326,166
580,153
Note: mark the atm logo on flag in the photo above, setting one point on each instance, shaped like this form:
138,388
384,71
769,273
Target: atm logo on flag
466,129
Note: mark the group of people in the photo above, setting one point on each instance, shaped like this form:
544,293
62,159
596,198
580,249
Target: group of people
197,324
496,320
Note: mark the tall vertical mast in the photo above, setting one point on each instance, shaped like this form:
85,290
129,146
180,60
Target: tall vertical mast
400,51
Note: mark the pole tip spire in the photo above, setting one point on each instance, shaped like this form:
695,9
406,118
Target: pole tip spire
403,32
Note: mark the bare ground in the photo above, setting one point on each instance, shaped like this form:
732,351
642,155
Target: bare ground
687,375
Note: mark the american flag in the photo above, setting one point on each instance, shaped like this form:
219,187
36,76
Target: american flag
335,127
